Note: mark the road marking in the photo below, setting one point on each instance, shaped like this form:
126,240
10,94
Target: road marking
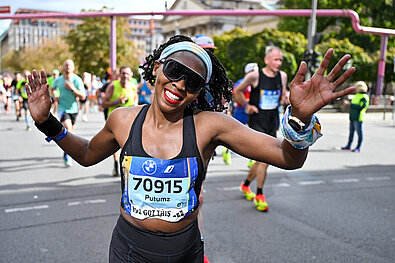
96,201
229,188
378,178
311,182
347,180
282,185
20,209
301,174
74,203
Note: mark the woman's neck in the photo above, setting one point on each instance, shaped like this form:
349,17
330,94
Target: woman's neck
163,119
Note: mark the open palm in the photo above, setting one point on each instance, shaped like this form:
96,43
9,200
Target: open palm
310,96
39,99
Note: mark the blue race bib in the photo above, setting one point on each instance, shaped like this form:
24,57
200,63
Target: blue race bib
269,99
158,188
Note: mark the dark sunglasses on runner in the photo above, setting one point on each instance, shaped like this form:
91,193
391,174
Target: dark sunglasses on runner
175,71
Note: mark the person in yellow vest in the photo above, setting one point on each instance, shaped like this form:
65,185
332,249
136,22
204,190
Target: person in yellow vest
20,86
121,93
358,106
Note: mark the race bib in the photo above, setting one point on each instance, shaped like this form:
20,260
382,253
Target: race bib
158,188
269,99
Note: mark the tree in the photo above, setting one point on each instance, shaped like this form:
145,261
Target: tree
359,58
238,47
48,56
371,13
89,43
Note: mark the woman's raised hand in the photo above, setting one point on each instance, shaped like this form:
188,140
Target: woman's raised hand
39,99
310,96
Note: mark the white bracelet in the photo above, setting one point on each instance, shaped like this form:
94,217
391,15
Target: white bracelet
304,138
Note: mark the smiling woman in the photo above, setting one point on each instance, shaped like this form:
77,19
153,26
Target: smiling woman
167,146
219,84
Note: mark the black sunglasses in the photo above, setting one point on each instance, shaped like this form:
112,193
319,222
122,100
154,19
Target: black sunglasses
175,71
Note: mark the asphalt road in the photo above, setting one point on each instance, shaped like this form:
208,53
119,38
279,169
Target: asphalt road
338,208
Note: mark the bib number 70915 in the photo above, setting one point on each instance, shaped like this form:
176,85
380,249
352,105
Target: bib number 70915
158,185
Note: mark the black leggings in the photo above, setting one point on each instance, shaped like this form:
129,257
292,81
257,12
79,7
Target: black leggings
132,244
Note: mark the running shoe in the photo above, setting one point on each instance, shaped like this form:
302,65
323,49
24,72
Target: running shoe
67,160
226,156
250,163
28,128
356,150
346,148
247,192
260,203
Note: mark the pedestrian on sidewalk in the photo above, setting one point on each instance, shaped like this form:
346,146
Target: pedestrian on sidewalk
358,106
167,146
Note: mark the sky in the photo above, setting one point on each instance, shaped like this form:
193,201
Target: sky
75,6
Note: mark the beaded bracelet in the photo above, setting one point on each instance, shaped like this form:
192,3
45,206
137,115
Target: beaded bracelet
304,138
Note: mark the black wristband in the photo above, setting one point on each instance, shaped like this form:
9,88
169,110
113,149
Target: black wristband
51,127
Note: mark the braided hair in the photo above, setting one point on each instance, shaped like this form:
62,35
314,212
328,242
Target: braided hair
220,86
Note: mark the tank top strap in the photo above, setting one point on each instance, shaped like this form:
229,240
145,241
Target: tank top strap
135,135
188,135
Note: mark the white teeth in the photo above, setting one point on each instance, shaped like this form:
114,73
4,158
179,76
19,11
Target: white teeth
171,95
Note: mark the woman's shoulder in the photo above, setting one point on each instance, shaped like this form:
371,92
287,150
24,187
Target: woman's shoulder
124,114
211,118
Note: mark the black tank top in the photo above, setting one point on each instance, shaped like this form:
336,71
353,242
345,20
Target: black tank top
156,188
267,87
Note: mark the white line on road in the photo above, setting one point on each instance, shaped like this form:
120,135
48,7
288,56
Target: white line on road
282,185
311,182
347,180
96,201
20,209
229,188
378,178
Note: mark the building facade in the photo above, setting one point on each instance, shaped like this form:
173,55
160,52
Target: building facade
33,32
215,25
145,33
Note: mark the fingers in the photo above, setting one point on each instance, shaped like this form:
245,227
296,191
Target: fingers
27,87
338,67
31,82
325,62
342,93
343,77
299,77
36,79
43,77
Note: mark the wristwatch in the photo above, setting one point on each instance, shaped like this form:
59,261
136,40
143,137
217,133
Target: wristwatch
296,124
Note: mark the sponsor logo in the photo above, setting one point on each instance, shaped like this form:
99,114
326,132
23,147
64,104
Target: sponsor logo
149,167
169,169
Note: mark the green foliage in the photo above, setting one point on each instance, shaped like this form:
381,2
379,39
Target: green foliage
371,13
359,58
90,44
237,48
48,56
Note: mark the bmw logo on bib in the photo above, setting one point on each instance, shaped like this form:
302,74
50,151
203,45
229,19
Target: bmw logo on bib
149,167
